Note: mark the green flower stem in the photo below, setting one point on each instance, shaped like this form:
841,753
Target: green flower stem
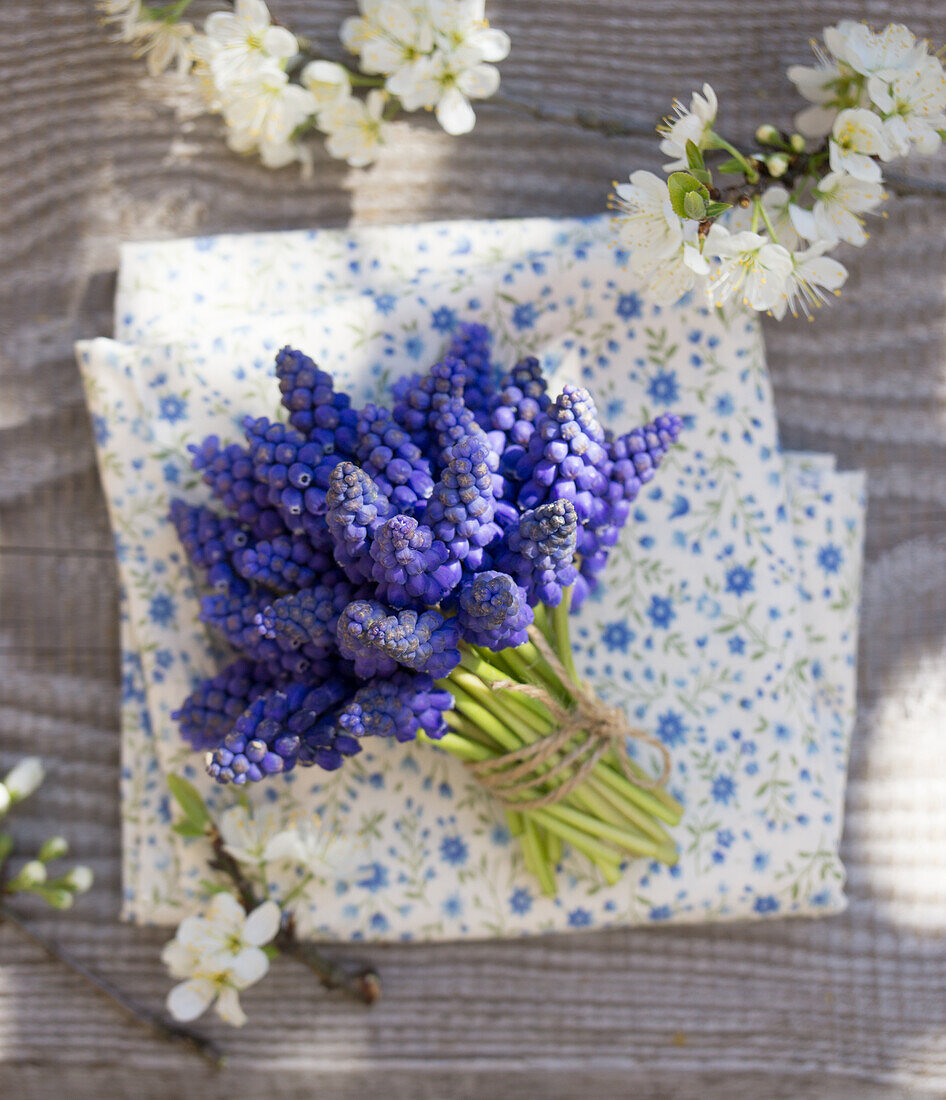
623,838
515,823
716,142
533,850
563,634
646,799
544,623
588,797
538,714
531,668
500,704
494,660
485,719
606,858
757,203
601,792
463,726
553,847
458,746
663,796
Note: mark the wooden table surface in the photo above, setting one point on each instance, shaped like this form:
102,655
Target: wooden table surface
92,154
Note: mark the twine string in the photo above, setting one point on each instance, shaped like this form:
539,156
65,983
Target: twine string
516,775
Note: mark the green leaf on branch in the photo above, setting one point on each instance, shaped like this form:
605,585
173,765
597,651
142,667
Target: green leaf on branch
694,155
702,175
714,209
681,184
188,798
188,828
730,167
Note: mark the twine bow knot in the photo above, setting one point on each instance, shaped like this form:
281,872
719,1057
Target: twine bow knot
599,727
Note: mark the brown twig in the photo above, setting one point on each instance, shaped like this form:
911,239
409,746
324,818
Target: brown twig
172,1032
364,985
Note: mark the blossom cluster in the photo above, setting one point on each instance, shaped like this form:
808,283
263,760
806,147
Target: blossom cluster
366,549
875,96
271,88
58,891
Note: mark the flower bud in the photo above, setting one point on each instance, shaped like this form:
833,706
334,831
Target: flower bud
79,879
53,848
31,874
777,164
796,143
767,134
693,205
58,897
25,777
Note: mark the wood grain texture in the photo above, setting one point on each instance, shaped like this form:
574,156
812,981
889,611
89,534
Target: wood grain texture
852,1006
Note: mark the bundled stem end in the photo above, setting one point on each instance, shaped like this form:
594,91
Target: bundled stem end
556,756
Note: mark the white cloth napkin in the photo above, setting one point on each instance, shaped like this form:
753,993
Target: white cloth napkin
727,621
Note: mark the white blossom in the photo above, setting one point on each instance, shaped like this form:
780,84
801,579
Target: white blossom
126,13
818,84
328,82
463,23
446,82
840,199
664,250
812,274
241,41
391,37
693,125
262,113
246,832
164,44
219,953
913,105
355,128
867,51
856,137
748,265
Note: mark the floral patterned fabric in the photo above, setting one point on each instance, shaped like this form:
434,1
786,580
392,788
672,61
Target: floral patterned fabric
727,621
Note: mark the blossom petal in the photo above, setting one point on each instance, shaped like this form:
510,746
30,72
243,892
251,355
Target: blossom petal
280,43
179,960
229,1009
480,82
262,924
189,999
491,44
225,909
454,112
248,967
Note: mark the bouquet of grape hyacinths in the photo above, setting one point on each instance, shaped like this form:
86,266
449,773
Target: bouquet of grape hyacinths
408,573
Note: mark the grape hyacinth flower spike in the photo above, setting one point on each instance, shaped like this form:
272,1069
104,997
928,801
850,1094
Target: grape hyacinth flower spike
356,507
494,611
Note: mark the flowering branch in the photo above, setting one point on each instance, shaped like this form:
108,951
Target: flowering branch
176,1033
226,948
763,239
272,87
365,985
60,893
